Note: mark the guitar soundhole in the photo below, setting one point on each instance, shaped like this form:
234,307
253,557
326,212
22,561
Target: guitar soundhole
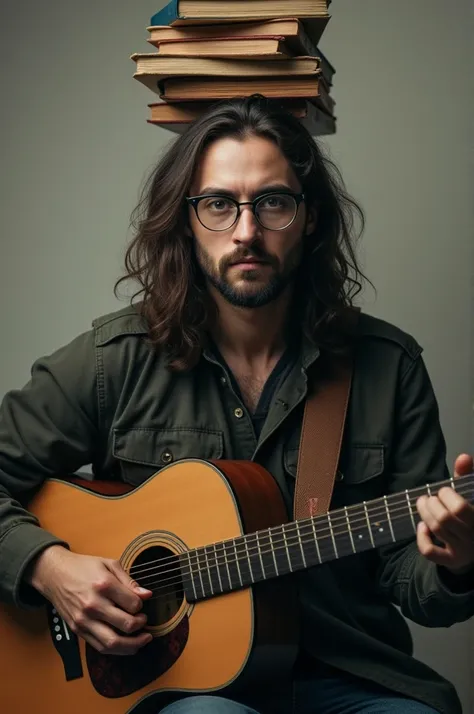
157,568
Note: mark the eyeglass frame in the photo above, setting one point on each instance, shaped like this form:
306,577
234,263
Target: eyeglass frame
195,200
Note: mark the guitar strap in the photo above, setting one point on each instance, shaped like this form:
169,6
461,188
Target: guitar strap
321,434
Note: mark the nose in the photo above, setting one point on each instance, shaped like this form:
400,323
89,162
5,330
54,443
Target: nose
247,229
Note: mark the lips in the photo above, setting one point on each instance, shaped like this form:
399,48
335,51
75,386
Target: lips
249,260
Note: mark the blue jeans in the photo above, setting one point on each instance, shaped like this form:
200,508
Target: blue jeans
319,696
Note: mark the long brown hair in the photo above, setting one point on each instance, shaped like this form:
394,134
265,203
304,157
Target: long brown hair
174,300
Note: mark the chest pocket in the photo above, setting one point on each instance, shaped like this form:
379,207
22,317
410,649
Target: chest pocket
141,452
359,476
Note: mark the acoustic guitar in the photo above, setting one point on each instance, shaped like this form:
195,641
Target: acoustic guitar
213,542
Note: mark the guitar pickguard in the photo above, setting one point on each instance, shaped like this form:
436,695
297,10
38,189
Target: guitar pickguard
117,676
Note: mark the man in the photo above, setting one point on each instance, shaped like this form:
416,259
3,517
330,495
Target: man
246,266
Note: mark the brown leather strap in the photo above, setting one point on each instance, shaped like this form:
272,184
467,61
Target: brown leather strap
321,438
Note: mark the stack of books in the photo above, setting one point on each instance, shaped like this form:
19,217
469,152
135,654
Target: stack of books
207,50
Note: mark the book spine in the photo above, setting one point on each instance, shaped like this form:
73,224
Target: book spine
168,14
311,49
309,46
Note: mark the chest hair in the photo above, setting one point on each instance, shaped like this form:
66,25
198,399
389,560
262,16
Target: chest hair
251,388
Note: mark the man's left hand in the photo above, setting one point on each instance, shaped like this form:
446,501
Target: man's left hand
450,518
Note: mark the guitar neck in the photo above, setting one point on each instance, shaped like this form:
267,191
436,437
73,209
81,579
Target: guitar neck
232,564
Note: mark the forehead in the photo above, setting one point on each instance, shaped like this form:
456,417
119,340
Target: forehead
243,165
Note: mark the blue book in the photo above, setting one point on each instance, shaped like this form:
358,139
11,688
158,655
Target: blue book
172,14
167,15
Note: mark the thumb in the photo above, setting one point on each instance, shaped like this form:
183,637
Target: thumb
116,568
463,465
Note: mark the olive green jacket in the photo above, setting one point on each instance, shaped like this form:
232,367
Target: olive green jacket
108,399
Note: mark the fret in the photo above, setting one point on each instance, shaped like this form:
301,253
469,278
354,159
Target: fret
286,548
243,564
369,526
211,572
204,574
332,535
267,555
199,572
379,521
361,535
305,548
283,550
272,550
249,561
410,510
349,530
218,569
324,540
389,519
196,575
318,552
296,556
343,532
300,544
401,517
232,564
259,552
252,579
237,563
225,580
453,485
255,560
188,577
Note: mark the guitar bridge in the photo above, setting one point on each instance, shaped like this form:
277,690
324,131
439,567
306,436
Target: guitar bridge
66,644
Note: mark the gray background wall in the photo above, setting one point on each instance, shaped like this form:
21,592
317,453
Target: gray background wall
75,148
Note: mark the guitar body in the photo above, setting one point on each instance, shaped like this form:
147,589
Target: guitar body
238,642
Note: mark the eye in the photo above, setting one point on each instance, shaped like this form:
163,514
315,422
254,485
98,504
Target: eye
275,202
217,204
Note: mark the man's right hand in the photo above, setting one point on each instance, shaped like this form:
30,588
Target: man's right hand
95,596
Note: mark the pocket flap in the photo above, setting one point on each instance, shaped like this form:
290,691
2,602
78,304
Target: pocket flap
159,447
364,462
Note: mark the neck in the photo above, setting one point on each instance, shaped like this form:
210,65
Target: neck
251,335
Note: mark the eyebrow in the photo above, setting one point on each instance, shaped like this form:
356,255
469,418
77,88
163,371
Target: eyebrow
272,188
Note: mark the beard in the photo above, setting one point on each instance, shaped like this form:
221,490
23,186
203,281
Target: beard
253,291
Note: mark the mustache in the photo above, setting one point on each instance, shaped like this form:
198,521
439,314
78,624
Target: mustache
257,254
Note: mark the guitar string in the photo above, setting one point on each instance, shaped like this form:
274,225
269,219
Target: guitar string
216,562
161,591
204,567
312,523
304,528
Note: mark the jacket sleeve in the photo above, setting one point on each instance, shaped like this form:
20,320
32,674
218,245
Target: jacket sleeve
47,429
426,593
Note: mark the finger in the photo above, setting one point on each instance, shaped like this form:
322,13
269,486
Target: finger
107,641
441,522
463,465
123,621
123,591
434,553
458,506
127,580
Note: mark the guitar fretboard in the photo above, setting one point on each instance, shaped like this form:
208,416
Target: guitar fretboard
252,558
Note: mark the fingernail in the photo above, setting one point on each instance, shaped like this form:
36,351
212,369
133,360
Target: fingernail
143,591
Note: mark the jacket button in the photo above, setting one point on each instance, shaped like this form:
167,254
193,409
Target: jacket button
166,456
238,413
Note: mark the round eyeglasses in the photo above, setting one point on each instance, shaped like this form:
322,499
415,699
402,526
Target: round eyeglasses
273,211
